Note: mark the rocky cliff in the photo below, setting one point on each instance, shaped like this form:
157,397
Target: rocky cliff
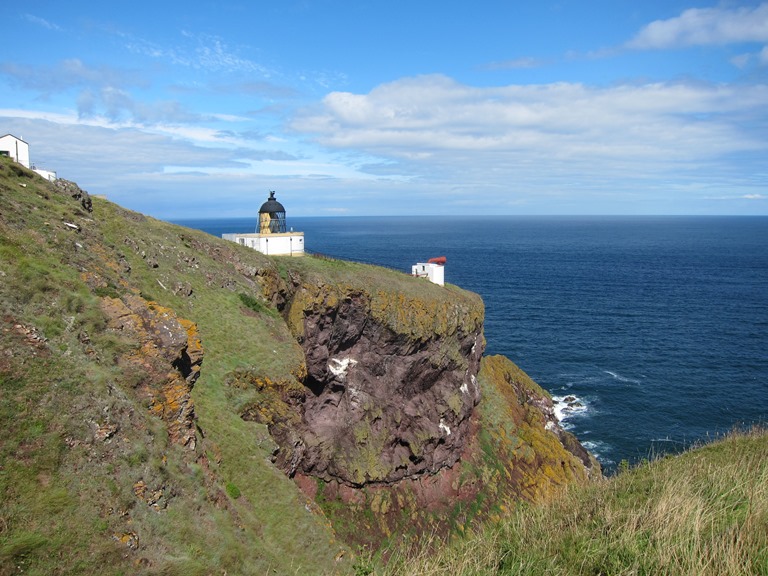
390,384
392,413
175,403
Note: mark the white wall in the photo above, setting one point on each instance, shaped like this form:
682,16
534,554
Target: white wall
16,148
47,174
288,244
434,272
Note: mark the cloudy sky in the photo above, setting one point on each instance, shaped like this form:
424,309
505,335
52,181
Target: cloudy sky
363,107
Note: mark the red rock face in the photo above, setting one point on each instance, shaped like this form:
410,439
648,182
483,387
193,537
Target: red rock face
381,405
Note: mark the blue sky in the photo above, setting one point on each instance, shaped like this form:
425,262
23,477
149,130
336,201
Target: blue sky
192,109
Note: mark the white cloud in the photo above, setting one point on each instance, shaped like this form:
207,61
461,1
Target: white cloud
705,26
540,148
431,114
741,61
556,140
194,134
42,22
204,51
524,62
67,74
731,198
103,90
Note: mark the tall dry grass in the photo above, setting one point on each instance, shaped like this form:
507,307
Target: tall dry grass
703,513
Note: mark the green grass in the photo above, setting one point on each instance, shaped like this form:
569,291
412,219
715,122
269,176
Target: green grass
704,512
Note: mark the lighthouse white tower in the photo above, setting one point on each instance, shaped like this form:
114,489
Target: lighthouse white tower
271,236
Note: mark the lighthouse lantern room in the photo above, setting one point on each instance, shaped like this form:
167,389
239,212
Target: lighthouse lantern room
271,216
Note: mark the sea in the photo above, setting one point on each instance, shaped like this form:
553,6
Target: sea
651,333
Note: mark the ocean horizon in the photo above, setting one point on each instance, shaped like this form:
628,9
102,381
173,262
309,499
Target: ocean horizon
650,332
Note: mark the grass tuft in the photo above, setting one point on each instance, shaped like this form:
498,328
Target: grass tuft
19,545
256,305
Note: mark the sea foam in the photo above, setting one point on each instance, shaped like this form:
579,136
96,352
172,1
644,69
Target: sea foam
620,378
598,450
568,406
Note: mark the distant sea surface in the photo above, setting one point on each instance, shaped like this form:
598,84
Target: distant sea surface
653,329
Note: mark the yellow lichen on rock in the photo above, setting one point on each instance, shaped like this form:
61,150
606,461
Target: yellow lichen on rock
166,355
525,434
426,318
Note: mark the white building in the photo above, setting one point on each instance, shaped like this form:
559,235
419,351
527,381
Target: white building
288,244
271,237
16,148
47,174
433,270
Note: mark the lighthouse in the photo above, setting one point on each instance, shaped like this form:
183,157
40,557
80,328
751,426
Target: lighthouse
271,236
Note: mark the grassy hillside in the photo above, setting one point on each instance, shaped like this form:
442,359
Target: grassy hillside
91,483
704,512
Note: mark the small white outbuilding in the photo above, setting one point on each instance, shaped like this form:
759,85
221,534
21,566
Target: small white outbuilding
433,270
16,148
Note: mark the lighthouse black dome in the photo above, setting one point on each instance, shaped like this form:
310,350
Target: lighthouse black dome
271,205
271,216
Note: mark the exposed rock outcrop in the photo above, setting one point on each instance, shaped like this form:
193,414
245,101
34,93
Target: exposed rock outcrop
536,453
514,450
166,365
387,404
73,190
390,383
